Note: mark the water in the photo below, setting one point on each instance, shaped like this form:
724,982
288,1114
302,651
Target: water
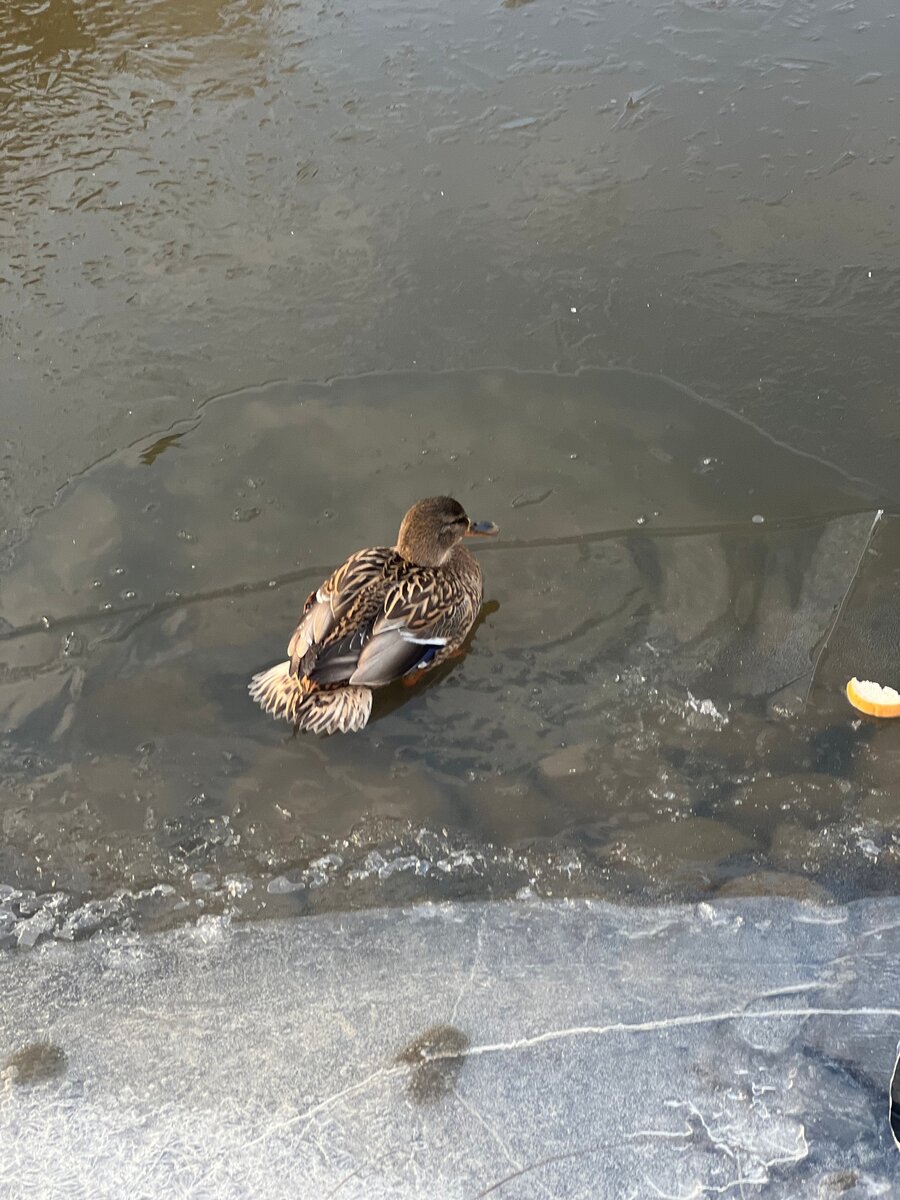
205,205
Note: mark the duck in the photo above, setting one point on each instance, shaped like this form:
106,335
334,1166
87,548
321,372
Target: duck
387,613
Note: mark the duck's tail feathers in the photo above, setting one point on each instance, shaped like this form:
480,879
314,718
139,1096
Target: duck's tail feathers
279,692
335,710
301,704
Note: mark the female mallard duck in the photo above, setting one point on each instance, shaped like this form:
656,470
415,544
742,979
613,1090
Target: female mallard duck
387,612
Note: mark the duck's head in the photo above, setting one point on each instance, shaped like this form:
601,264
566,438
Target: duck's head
433,527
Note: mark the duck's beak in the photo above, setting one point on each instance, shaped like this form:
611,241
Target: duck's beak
482,529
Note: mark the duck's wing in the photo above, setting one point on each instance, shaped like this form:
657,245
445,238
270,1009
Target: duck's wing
422,616
331,603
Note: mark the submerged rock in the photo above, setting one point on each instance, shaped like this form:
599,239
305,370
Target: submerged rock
775,883
682,849
808,798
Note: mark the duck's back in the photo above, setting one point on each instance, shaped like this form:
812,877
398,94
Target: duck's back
348,601
380,616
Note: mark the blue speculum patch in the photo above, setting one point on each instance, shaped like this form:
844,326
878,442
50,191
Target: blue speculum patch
427,657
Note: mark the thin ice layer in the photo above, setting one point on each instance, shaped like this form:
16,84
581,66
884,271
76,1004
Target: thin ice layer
517,1049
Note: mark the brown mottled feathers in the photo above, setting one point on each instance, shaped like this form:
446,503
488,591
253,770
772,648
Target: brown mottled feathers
374,618
342,601
383,614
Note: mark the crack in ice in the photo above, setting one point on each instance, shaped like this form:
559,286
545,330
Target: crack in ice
353,1089
691,1019
520,1168
543,1162
476,962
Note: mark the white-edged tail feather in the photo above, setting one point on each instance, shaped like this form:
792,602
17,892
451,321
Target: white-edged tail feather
278,692
316,710
336,710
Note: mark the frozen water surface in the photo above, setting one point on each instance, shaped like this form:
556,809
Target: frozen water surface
519,1050
677,222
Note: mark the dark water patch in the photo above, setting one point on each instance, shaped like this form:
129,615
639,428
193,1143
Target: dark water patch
152,453
436,1058
38,1062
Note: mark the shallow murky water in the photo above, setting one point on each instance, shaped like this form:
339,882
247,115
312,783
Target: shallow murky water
205,204
635,715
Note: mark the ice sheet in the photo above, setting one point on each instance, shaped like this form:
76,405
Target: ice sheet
520,1049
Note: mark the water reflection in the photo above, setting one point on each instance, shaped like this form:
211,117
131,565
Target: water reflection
645,655
200,196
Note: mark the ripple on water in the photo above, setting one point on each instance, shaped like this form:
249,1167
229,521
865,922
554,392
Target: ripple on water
626,721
